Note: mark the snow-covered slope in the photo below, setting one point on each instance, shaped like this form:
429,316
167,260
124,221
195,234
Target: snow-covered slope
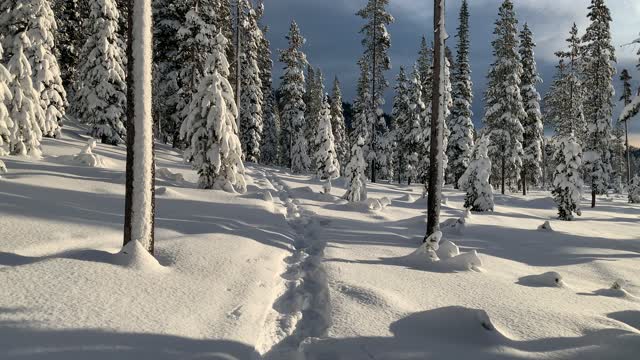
285,272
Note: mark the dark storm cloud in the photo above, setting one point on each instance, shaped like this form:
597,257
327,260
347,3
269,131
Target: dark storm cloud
333,40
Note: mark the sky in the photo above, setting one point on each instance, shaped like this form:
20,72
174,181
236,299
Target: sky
333,40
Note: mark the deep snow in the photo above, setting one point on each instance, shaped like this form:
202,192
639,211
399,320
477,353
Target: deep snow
285,271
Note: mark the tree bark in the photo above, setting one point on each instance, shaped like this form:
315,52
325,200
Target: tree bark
374,105
504,167
626,134
434,194
524,181
140,168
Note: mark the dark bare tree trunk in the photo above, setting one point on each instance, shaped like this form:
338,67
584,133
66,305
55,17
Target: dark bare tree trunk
374,105
434,194
140,176
504,168
524,181
626,134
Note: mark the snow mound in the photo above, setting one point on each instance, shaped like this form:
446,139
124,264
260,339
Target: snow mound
432,255
545,227
408,198
166,174
548,279
454,226
167,192
135,256
266,196
3,167
86,157
617,290
377,204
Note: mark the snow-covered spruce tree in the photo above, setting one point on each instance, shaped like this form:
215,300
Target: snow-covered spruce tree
101,98
36,19
376,43
251,97
532,124
400,114
224,23
356,180
5,98
338,125
504,111
475,180
626,98
617,157
598,72
425,72
564,101
314,103
362,111
70,37
327,165
168,17
24,107
415,144
294,150
425,69
139,218
567,179
211,127
461,140
269,149
634,190
196,42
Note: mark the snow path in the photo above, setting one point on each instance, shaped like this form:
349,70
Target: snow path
302,310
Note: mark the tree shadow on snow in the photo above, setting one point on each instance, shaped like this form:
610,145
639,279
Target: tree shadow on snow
462,333
23,342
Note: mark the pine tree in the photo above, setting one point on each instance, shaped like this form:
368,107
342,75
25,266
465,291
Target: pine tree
504,111
24,108
314,102
70,37
626,98
169,16
376,43
362,110
294,150
211,127
598,72
356,181
269,150
567,179
401,114
532,124
475,180
36,19
339,126
425,69
327,165
415,142
634,190
564,101
101,98
461,140
5,98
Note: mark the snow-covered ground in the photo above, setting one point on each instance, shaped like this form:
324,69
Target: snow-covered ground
285,272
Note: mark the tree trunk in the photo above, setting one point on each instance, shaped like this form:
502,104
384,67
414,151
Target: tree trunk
504,167
593,198
374,105
434,193
140,176
238,48
524,181
626,133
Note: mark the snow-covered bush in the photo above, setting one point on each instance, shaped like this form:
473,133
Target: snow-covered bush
211,128
475,180
634,190
356,180
327,166
567,179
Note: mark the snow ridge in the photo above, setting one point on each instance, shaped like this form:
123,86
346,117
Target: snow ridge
303,307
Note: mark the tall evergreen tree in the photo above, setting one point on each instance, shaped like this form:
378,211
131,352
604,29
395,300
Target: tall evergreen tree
461,125
567,179
475,180
24,108
251,96
504,111
5,98
417,135
36,19
362,110
401,114
356,181
294,150
270,119
626,98
376,44
101,96
70,37
314,102
425,69
532,124
338,125
214,145
598,72
327,165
